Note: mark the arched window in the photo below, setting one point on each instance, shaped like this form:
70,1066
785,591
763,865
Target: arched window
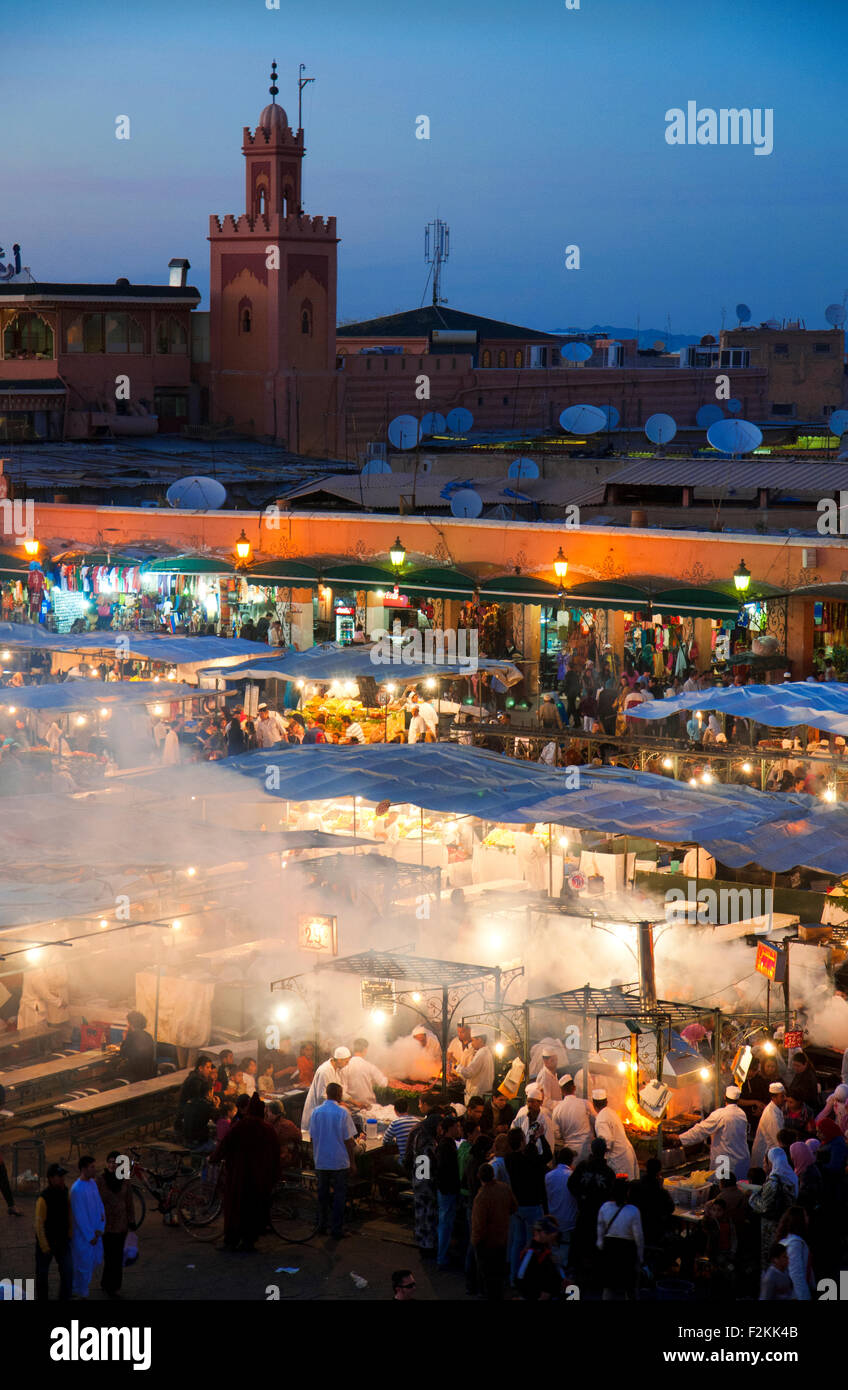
487,357
27,335
263,200
502,357
306,318
171,336
122,333
518,360
245,316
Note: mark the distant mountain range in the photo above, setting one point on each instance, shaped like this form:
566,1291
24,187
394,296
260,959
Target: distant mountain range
647,336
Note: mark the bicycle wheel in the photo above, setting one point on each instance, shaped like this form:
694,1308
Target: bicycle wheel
199,1207
294,1214
139,1206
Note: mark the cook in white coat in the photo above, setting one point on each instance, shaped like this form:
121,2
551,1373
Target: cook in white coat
479,1073
573,1120
331,1070
531,1116
727,1130
621,1155
460,1050
361,1076
430,1047
771,1121
548,1081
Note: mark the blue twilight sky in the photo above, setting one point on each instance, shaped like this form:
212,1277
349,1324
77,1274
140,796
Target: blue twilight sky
547,129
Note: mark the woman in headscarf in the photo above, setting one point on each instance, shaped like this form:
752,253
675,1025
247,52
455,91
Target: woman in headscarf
810,1185
251,1152
778,1193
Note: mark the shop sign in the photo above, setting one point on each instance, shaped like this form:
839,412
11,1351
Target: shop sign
318,933
771,962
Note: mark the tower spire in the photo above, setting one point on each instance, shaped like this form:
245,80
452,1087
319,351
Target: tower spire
274,89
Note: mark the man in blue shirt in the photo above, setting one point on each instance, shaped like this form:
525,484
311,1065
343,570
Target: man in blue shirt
332,1132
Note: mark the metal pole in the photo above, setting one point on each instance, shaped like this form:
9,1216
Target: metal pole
647,974
550,860
717,1087
445,1005
156,1009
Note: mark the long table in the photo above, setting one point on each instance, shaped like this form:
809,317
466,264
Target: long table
29,1083
125,1102
33,1041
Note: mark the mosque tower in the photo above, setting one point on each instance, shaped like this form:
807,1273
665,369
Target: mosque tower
273,300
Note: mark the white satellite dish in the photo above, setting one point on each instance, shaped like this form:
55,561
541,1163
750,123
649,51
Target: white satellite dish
523,468
660,429
404,432
196,494
466,502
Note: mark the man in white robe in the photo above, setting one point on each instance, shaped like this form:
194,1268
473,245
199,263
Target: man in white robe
479,1072
533,1120
548,1082
727,1130
89,1223
331,1070
621,1155
361,1076
771,1122
573,1120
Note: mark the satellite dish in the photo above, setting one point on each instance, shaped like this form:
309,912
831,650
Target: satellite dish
838,423
432,423
523,468
772,323
376,466
661,429
612,415
583,419
734,436
835,315
576,352
197,494
743,313
404,432
733,405
466,502
708,415
460,420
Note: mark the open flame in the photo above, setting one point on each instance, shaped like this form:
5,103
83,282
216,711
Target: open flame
635,1116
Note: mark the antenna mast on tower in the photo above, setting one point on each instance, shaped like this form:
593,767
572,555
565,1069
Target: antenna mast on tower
436,252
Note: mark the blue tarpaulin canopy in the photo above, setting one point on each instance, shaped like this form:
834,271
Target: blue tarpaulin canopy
332,662
822,704
82,694
177,651
736,824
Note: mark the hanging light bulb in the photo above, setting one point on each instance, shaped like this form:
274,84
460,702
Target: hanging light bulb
668,764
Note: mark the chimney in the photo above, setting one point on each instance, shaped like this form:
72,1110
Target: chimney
179,268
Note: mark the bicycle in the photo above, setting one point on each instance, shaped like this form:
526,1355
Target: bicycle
164,1183
294,1209
200,1203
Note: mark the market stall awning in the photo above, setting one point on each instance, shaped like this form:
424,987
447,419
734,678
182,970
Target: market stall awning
686,601
295,574
416,970
13,566
822,704
188,564
332,662
89,694
519,588
356,576
175,651
598,593
736,824
696,603
440,583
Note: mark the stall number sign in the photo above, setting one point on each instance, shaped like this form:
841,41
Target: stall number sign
771,962
316,933
793,1039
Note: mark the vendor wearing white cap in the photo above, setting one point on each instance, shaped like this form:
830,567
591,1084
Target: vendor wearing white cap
430,1059
771,1122
548,1081
727,1130
331,1070
621,1155
270,728
533,1120
573,1120
478,1072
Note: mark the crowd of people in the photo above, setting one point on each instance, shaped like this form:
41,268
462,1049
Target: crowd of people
83,1228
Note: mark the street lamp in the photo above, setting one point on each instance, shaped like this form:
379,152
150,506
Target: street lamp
742,578
243,548
560,567
31,547
397,555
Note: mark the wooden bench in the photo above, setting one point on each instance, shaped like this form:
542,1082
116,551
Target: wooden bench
137,1106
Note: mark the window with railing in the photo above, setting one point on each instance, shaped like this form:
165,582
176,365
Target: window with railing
27,335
